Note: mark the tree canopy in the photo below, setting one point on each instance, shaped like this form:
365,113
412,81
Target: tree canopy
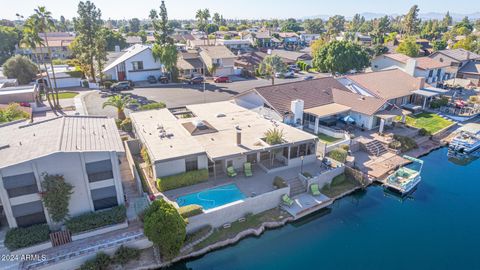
409,47
8,39
164,226
335,25
411,21
314,26
21,68
56,196
340,57
291,25
272,64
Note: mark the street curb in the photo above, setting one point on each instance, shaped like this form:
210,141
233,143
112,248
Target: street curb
79,103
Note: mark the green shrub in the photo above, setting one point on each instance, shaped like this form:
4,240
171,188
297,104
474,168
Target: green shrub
96,220
152,106
182,180
190,210
59,61
100,262
439,102
279,182
345,147
407,143
75,74
12,112
126,125
338,154
107,84
17,238
424,132
125,254
85,84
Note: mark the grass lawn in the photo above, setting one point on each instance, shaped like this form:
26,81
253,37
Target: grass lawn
254,221
339,185
429,121
327,139
65,95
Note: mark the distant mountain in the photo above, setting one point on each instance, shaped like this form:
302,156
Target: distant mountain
423,16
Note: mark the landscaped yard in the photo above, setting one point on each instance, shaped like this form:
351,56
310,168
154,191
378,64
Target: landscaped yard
429,121
252,221
339,185
327,139
65,95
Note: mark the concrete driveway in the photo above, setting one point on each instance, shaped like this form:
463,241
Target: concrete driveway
182,94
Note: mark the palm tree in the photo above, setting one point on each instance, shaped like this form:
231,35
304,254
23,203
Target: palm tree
120,102
31,39
44,23
272,64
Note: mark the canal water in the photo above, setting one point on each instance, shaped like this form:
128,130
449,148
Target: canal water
437,227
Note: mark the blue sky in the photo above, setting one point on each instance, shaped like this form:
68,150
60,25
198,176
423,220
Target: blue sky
182,9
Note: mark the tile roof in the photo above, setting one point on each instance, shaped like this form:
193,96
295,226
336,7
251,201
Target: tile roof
471,68
422,62
460,54
314,93
217,52
291,55
22,141
358,103
386,84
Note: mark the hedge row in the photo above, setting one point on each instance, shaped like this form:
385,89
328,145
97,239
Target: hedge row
190,210
95,220
17,238
182,180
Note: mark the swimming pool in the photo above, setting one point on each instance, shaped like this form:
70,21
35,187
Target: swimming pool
214,197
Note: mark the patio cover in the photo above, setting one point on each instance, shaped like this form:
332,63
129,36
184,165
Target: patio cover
430,92
387,114
327,110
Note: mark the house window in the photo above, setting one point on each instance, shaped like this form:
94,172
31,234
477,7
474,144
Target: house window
104,198
229,163
19,185
302,149
137,65
293,152
99,170
191,164
430,73
28,214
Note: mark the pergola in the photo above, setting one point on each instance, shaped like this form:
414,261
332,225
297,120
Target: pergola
326,111
428,93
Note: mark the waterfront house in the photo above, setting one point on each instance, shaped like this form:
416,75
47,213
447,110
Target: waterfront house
135,63
456,59
432,70
86,151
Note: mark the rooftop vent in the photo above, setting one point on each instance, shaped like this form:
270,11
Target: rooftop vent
220,115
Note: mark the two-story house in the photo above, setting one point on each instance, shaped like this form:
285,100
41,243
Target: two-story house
218,59
455,59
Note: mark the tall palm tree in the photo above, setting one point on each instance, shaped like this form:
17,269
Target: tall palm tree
45,23
31,39
120,102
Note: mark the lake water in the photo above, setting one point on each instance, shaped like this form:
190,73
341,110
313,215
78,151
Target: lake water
437,228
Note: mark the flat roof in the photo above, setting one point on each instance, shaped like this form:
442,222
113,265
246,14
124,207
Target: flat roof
17,90
327,110
223,116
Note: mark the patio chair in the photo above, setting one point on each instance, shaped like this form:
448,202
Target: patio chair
287,200
314,189
247,168
231,172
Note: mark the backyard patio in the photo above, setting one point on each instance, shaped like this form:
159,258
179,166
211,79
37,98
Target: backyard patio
431,122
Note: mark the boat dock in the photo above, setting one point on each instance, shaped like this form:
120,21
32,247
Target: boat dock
305,204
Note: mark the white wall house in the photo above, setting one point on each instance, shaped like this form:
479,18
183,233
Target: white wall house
84,150
432,70
135,64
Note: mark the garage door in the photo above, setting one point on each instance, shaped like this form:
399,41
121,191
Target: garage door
224,72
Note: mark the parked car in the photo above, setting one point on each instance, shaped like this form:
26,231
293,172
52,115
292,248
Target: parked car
222,79
307,78
294,68
163,79
151,79
119,86
288,74
196,80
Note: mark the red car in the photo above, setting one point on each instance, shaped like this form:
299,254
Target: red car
222,79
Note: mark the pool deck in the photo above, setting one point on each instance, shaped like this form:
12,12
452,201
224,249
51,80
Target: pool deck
305,204
261,182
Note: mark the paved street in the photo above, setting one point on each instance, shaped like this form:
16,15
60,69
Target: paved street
183,94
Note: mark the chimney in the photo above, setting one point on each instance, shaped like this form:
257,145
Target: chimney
296,107
422,83
239,136
117,48
410,66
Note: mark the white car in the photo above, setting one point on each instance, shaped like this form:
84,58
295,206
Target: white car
288,74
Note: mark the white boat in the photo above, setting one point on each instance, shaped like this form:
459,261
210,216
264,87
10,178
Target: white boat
405,179
465,142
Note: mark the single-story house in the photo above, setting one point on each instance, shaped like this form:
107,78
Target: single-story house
219,58
135,63
190,63
421,67
292,57
18,94
235,44
84,150
215,136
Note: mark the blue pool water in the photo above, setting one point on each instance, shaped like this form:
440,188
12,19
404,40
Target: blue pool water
214,197
436,228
